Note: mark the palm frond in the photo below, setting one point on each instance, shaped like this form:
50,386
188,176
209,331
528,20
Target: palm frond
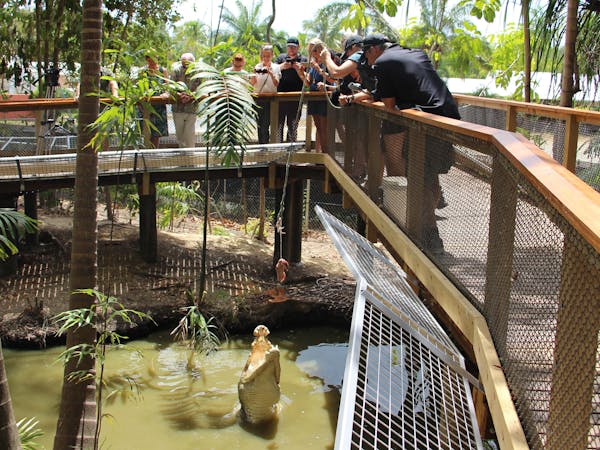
226,104
13,225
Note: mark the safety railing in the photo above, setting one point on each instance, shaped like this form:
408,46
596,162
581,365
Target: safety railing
517,235
519,239
571,136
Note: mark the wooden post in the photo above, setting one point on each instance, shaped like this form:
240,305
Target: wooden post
291,241
375,157
416,183
333,117
274,120
40,142
148,232
30,206
511,119
308,134
501,234
571,135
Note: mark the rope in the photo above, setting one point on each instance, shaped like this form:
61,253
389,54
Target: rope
279,219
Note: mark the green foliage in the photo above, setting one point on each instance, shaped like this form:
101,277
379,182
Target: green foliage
29,432
195,332
225,103
105,311
13,226
176,200
484,9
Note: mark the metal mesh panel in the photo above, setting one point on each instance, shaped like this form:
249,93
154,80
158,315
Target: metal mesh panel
588,154
494,118
405,385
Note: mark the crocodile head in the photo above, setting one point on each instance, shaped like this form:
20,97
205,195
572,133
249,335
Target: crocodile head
258,388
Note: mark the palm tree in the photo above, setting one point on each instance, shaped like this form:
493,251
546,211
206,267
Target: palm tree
9,435
248,29
328,29
11,223
76,424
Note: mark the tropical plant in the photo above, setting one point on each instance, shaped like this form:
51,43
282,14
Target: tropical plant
103,312
227,108
175,200
196,333
247,27
76,427
13,225
10,222
29,432
9,433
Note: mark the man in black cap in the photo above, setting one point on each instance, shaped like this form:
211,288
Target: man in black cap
406,79
352,60
292,80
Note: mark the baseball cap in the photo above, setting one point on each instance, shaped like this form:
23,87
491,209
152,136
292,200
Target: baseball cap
374,39
353,39
293,41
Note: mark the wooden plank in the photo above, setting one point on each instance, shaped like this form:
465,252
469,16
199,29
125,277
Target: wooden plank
507,425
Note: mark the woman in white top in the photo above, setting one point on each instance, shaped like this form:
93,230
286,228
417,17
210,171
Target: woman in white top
265,79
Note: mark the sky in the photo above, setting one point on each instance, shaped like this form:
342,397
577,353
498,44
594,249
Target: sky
290,13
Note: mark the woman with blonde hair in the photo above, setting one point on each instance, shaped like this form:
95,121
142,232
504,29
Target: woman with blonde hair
265,80
317,80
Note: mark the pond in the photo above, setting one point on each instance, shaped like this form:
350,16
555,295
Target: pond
160,403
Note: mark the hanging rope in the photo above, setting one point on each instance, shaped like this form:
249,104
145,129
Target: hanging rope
282,266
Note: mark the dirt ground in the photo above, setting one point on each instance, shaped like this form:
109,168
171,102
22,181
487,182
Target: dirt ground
242,291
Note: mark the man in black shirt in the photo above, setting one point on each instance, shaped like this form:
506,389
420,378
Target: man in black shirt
292,80
406,79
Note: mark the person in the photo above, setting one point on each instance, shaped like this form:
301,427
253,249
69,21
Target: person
184,109
291,64
318,80
157,76
352,60
237,65
265,80
406,79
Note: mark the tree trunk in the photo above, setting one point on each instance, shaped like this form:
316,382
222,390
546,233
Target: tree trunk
76,424
570,60
9,436
271,20
526,51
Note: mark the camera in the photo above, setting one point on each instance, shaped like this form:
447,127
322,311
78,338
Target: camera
263,70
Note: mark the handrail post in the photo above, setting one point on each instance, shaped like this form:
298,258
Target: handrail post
416,183
571,135
511,119
375,158
503,210
274,120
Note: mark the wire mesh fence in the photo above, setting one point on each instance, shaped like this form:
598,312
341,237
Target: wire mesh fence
513,254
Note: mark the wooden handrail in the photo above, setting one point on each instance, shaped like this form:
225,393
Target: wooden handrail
555,112
41,104
572,197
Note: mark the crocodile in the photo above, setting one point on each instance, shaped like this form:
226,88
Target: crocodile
258,388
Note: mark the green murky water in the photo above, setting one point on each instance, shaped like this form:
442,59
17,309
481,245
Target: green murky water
173,407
